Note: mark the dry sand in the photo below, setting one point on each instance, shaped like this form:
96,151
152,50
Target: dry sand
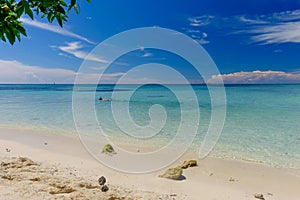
58,167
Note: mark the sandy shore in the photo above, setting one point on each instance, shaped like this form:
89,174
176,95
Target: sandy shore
58,167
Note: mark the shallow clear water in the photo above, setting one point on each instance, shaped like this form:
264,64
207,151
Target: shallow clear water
262,122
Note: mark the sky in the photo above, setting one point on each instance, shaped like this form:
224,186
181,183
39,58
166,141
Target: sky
255,41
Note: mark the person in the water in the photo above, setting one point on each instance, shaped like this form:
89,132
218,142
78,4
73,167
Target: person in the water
104,99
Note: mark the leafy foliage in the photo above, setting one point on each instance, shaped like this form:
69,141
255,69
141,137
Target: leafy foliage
11,28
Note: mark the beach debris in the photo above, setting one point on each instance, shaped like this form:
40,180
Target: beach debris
45,143
259,196
7,177
102,180
108,149
37,179
231,179
60,189
172,173
189,163
87,185
211,174
26,161
8,150
104,188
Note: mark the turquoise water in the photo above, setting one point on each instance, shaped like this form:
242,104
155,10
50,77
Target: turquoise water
262,122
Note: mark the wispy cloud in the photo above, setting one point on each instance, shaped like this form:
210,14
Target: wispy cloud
289,15
278,33
274,28
147,54
197,35
246,20
257,77
74,48
196,24
53,28
16,72
200,20
271,28
200,38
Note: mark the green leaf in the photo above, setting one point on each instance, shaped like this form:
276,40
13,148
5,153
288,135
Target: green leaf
21,29
59,19
20,9
50,17
11,38
29,12
63,3
2,37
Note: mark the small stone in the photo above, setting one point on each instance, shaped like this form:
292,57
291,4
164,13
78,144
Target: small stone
172,173
104,188
35,179
259,196
231,179
189,163
102,180
108,149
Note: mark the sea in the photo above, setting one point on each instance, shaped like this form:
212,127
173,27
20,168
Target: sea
262,122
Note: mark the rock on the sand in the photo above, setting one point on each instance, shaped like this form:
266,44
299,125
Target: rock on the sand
172,173
189,163
259,196
102,180
108,149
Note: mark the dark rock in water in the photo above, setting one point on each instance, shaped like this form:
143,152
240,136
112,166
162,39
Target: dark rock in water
108,149
189,163
104,188
102,180
172,173
259,196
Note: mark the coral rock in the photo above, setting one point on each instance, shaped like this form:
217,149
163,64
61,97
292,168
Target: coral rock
172,173
189,163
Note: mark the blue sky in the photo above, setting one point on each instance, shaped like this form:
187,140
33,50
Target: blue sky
254,41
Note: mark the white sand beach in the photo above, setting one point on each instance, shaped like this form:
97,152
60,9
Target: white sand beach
58,167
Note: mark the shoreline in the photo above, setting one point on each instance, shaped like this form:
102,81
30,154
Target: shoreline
214,178
39,132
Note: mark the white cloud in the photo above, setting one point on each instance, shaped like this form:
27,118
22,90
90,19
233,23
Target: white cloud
53,28
246,20
147,54
278,33
274,28
257,77
203,20
14,72
200,37
73,48
289,15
